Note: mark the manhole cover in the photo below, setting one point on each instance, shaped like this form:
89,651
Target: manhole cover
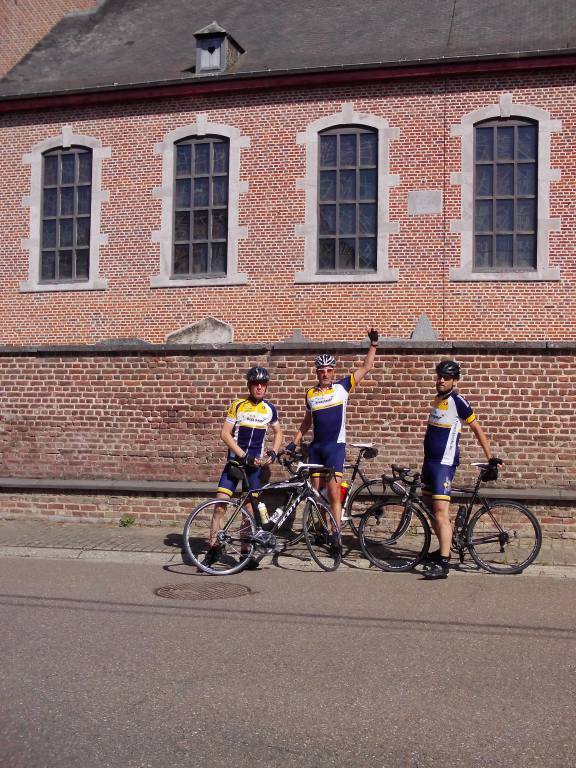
216,591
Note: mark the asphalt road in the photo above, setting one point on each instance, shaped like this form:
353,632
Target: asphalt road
308,669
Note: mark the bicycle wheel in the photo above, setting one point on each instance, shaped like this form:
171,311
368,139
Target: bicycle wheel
319,525
236,529
504,537
359,500
394,536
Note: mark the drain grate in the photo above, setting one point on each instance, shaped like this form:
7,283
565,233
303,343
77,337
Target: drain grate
217,591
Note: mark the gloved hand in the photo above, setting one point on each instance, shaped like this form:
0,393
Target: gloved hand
272,455
291,447
373,335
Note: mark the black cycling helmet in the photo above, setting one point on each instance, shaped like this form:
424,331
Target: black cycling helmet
325,361
257,374
449,369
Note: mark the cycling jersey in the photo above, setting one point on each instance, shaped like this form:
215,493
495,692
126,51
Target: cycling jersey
328,409
444,427
251,420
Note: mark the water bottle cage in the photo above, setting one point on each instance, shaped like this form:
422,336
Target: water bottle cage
284,516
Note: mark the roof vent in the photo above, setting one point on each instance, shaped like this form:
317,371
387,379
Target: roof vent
216,50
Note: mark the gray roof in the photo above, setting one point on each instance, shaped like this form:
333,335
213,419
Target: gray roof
138,42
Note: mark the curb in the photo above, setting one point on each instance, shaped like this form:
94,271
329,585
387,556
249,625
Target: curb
160,558
102,555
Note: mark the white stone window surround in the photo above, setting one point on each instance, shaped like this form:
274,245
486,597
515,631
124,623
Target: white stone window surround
166,193
465,179
309,230
33,201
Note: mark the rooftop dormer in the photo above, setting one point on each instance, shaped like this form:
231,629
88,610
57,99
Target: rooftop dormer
216,50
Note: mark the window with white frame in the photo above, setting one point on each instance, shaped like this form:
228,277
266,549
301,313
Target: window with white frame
200,194
347,184
505,223
65,211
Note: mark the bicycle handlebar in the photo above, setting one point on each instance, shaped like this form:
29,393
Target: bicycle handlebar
293,463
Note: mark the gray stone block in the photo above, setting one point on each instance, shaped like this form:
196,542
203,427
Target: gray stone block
424,201
206,331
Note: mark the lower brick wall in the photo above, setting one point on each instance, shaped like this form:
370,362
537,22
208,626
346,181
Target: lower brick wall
100,507
558,521
155,413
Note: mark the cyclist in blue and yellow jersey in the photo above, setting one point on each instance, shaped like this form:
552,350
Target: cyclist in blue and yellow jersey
243,433
326,413
441,458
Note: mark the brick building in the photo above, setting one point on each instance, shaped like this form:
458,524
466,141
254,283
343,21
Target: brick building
175,175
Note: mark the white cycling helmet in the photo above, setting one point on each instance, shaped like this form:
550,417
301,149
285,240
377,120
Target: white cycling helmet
325,361
257,375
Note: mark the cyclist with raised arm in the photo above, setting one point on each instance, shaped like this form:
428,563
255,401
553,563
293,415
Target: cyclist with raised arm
245,426
326,413
441,458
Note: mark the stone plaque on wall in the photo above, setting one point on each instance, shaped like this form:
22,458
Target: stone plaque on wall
424,201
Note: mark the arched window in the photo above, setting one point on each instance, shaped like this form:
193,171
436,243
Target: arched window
200,196
346,226
66,208
505,195
505,177
201,206
347,200
65,202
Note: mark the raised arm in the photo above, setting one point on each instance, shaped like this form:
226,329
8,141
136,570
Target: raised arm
359,373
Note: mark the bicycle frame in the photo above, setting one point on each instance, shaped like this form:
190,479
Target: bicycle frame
301,489
409,498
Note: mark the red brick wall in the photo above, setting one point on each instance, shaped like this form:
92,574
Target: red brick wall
157,415
271,306
148,509
23,23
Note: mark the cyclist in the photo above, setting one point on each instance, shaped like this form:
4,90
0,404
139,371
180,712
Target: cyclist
441,458
243,433
326,413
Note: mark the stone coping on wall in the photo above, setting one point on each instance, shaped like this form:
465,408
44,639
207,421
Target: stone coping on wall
175,487
120,347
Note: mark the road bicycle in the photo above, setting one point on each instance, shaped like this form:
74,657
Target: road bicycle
242,536
501,536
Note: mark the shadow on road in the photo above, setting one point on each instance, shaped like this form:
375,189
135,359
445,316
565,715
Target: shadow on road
230,614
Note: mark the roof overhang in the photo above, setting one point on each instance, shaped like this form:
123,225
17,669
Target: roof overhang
308,78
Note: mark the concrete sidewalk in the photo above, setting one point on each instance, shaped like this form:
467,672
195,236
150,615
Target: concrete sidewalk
162,545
